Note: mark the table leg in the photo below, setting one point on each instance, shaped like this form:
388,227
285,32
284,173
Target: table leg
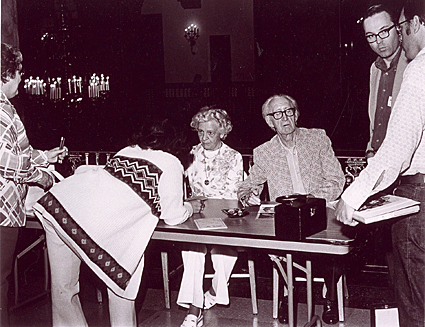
275,292
290,290
164,262
309,290
289,279
340,297
20,255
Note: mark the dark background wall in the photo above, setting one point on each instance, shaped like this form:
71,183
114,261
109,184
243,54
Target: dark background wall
312,50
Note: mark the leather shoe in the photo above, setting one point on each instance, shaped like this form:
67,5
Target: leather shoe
283,311
330,312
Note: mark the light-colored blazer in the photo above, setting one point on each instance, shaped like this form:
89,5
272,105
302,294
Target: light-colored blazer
375,77
320,170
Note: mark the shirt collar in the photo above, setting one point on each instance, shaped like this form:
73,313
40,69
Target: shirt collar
295,141
380,63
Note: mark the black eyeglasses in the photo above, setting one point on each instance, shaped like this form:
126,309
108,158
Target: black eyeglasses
279,114
371,38
398,26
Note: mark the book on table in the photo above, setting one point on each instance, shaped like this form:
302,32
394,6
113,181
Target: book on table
385,207
210,223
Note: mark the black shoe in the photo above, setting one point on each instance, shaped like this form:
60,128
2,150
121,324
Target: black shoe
330,312
283,311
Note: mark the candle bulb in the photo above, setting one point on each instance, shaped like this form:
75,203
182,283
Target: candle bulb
74,78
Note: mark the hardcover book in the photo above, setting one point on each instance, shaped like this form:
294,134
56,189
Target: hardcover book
385,207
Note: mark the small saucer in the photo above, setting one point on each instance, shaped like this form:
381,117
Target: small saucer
235,212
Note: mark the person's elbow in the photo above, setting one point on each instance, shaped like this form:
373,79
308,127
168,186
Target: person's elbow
175,221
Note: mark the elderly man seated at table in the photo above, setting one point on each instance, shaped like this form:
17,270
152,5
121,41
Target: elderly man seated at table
215,173
295,161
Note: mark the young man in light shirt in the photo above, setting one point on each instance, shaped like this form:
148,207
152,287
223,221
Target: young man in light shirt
402,155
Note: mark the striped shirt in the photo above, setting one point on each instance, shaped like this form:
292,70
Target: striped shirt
18,166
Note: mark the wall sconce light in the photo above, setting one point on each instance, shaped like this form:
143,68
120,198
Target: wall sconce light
191,34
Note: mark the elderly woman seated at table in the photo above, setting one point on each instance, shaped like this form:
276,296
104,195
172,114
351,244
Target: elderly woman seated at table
215,172
295,161
105,217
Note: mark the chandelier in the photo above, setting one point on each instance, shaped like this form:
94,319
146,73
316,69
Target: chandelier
76,88
59,82
191,34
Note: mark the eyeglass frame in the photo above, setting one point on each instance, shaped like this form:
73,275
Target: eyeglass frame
398,25
386,30
281,112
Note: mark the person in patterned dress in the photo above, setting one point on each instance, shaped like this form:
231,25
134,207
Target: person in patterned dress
215,172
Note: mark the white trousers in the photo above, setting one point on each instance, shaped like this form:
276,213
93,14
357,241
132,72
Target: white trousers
191,287
65,274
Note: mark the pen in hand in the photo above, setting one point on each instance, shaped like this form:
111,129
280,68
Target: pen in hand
61,145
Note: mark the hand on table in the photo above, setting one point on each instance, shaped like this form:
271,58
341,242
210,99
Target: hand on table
197,203
248,197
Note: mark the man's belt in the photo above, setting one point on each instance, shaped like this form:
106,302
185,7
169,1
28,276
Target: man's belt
413,179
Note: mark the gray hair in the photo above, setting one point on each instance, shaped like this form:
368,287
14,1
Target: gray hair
265,107
219,115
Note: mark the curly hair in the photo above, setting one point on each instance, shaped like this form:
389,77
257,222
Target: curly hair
209,113
11,59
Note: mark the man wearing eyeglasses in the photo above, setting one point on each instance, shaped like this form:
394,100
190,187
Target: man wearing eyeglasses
386,75
402,156
295,161
386,72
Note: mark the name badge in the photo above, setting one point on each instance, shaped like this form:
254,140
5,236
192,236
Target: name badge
390,101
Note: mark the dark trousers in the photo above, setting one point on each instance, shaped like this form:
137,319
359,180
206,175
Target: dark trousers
332,271
408,238
8,240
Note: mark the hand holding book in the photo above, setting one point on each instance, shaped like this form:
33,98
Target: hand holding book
385,207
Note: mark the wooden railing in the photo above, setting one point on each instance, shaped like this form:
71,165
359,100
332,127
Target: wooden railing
351,165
